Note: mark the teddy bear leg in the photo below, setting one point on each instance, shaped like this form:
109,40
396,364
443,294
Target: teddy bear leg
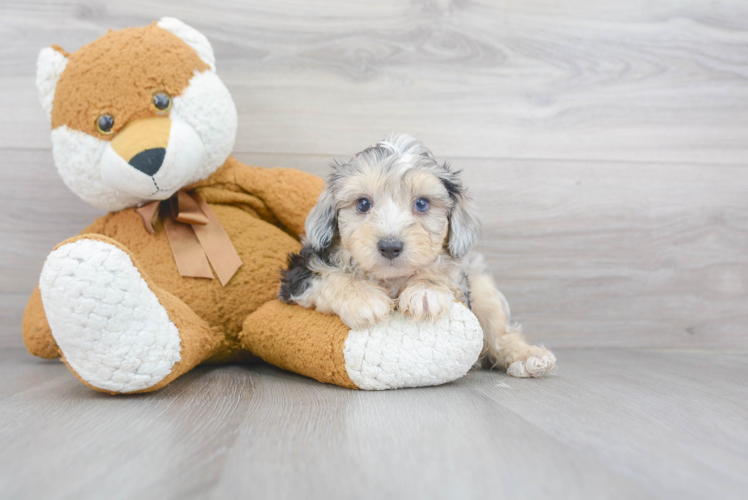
299,340
399,352
36,333
116,330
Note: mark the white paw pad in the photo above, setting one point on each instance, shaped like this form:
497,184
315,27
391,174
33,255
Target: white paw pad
109,325
534,366
403,352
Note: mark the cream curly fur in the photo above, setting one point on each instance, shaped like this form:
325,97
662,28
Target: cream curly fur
394,229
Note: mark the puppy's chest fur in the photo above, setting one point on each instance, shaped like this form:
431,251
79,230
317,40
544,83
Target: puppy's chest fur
445,269
393,286
306,267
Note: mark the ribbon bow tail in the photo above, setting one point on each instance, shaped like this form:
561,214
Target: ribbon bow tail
149,213
196,236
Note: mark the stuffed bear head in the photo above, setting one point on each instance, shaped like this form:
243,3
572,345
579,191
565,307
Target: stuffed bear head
136,114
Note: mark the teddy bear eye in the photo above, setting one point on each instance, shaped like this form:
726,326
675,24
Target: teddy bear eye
162,102
105,123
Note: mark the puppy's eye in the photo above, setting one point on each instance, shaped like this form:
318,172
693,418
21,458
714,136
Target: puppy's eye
104,124
364,205
162,102
421,205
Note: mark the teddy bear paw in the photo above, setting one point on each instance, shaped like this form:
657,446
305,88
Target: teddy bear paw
403,352
110,326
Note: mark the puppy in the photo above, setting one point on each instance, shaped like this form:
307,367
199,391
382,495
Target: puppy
394,229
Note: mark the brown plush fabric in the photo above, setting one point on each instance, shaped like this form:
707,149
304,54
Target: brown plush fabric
262,246
276,195
36,333
199,341
144,134
299,340
118,75
259,209
262,211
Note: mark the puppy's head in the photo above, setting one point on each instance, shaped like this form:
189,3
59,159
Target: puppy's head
395,209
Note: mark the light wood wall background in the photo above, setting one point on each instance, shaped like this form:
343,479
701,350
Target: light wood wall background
605,141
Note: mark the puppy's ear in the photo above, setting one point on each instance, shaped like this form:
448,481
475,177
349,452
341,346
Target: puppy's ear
464,221
322,221
464,227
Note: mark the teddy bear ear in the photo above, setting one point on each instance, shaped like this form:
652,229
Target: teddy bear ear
191,37
49,66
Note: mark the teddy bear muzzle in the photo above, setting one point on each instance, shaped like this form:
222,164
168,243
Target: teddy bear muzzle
151,158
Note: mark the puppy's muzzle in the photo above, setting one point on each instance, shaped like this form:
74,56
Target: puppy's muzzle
390,248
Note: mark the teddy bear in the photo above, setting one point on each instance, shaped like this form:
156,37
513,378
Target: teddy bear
184,269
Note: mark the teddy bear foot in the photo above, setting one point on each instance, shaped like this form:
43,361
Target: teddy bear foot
113,332
397,353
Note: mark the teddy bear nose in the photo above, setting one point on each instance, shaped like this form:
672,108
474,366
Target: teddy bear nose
148,161
390,248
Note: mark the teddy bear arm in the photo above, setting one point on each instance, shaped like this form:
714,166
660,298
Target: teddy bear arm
289,194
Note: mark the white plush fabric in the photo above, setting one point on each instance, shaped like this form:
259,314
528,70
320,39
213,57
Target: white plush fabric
206,105
191,37
110,327
405,353
77,156
204,122
49,66
184,154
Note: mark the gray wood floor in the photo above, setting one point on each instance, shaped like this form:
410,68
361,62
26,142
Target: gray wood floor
611,424
606,144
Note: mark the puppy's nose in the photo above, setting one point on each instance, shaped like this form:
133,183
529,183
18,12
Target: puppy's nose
149,161
390,248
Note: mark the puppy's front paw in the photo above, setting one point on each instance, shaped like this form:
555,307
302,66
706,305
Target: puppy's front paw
421,302
368,310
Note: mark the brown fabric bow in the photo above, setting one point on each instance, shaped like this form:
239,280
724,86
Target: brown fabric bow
195,236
